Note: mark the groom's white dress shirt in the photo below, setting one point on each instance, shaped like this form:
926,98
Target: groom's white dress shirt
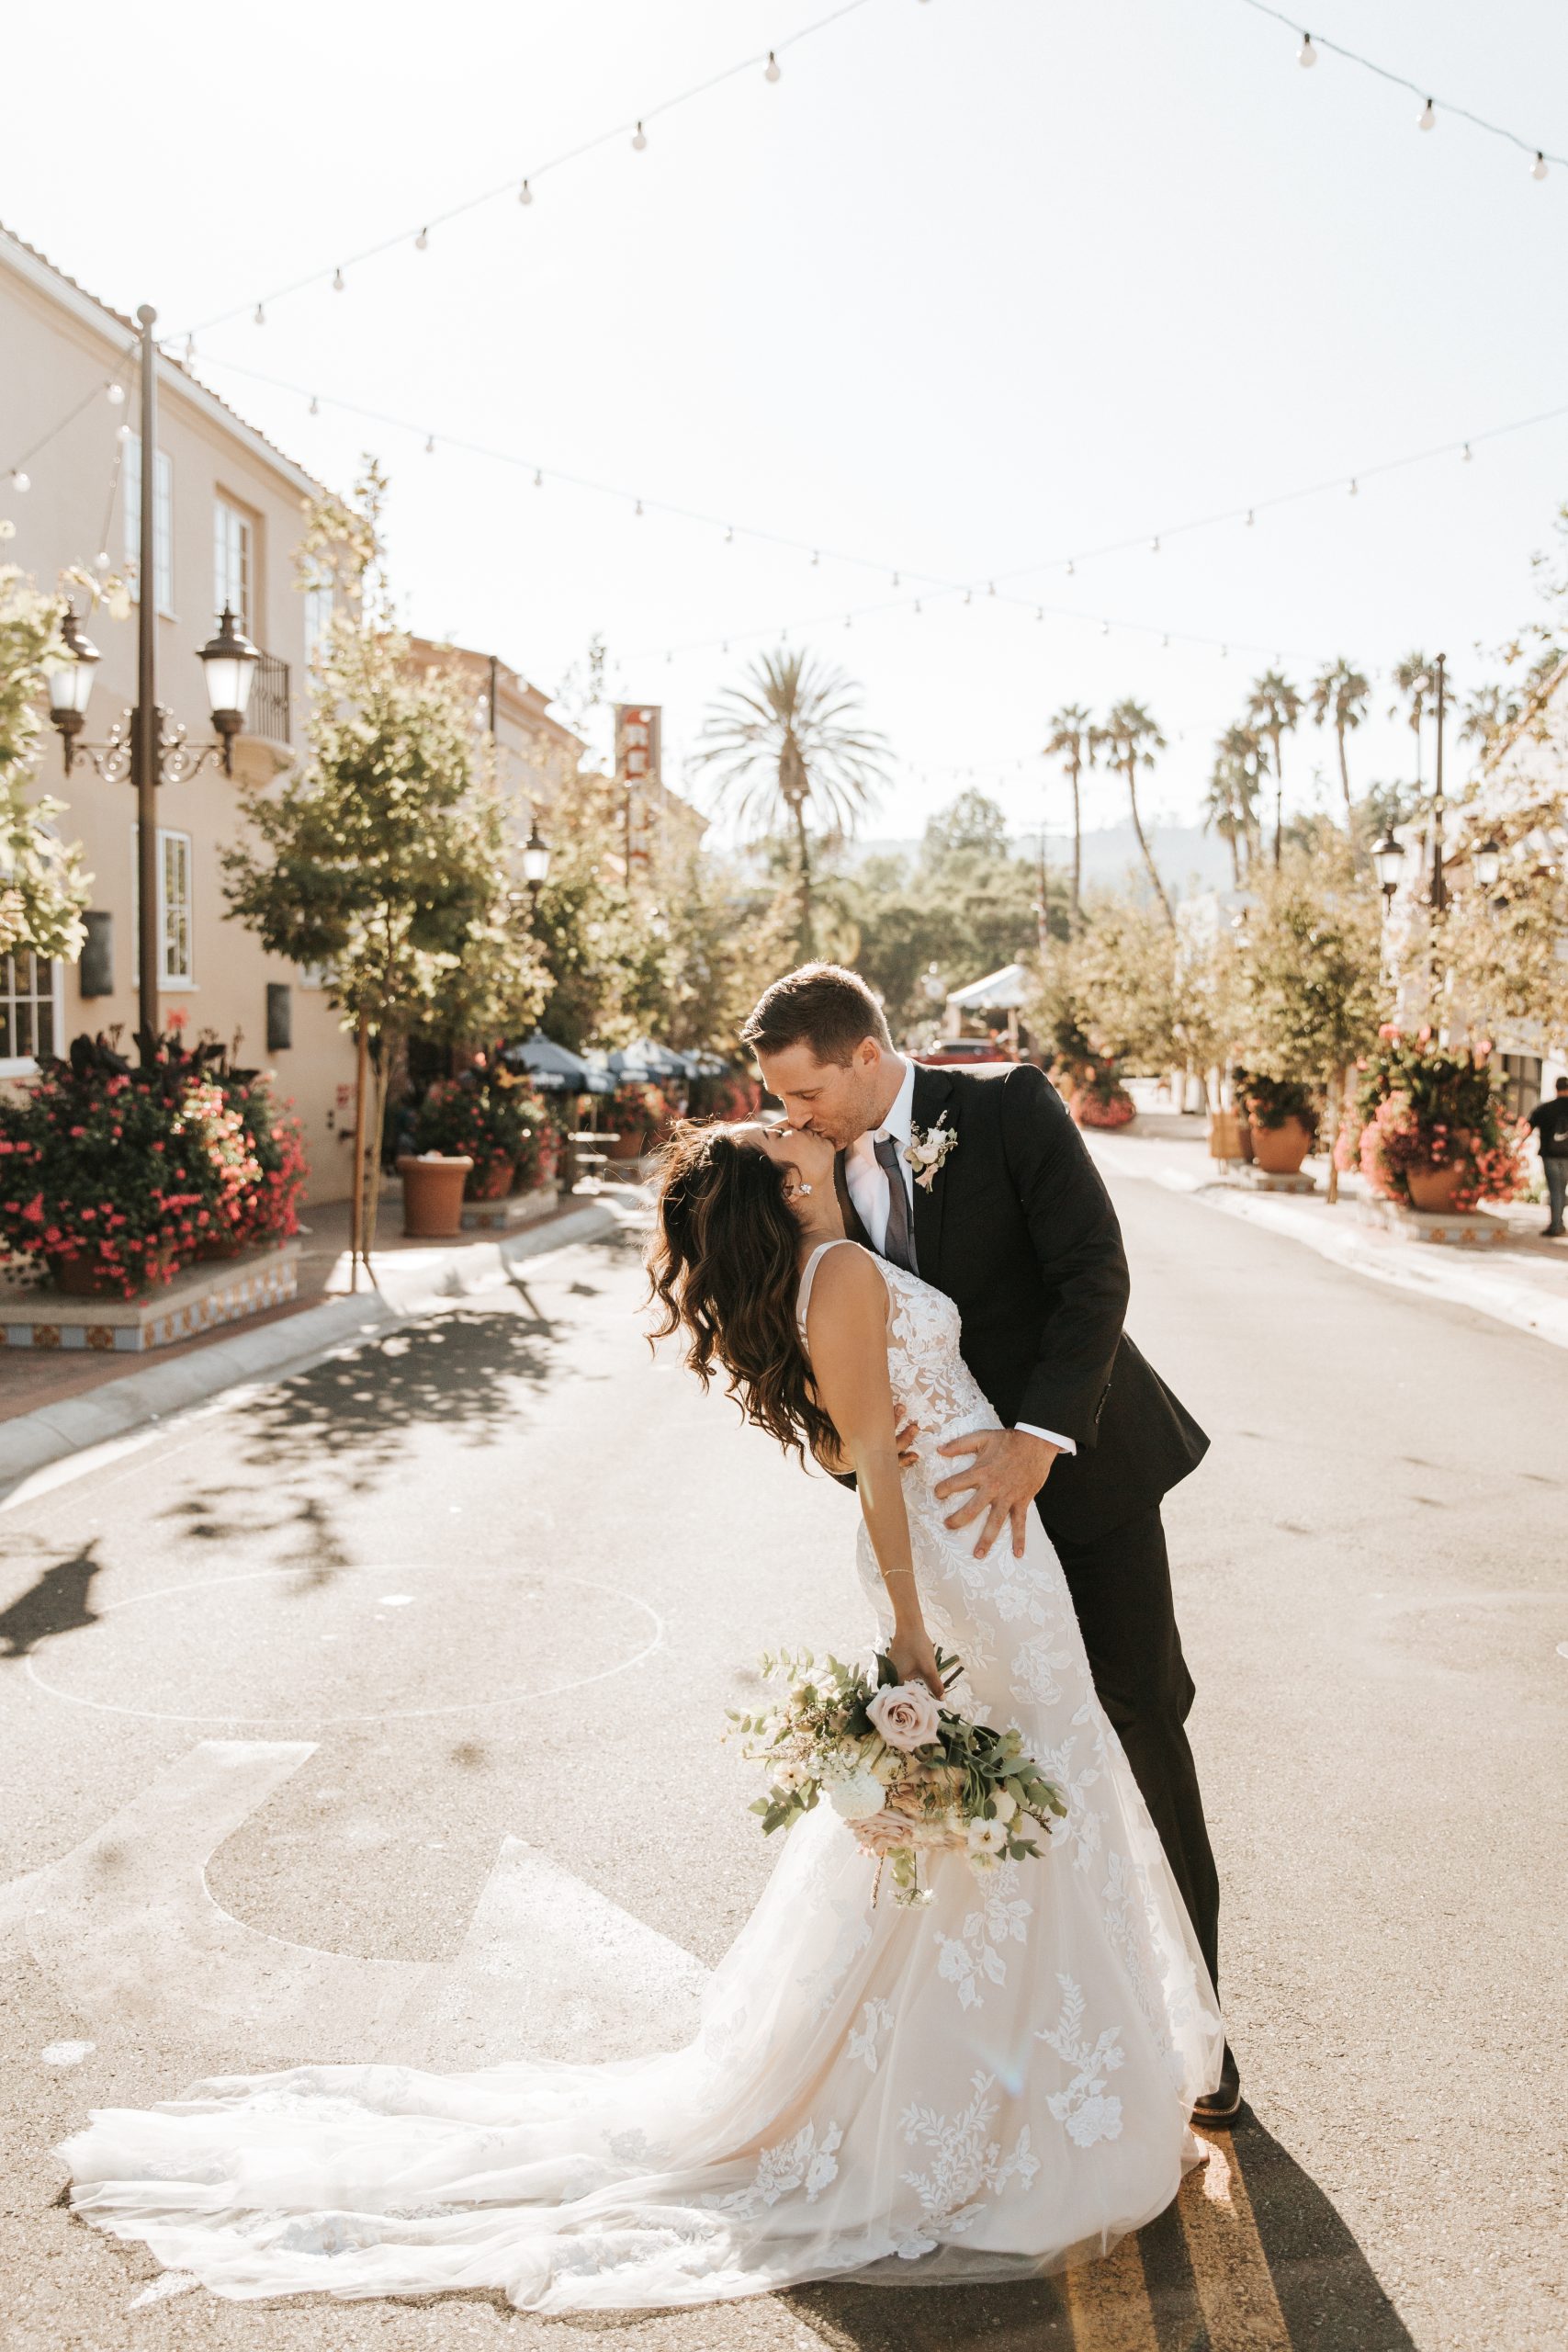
867,1183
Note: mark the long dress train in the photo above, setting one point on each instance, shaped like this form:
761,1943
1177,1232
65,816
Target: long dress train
990,2085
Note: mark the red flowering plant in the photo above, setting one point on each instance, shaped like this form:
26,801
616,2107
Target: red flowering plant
123,1168
642,1109
496,1120
1421,1105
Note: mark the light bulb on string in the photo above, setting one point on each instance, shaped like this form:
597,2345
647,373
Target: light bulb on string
1427,117
430,445
730,534
190,349
968,597
1249,519
1105,628
122,433
639,138
339,281
1307,54
1355,487
101,561
524,194
315,405
917,608
895,579
115,394
637,509
422,242
816,558
1069,567
258,316
1224,653
539,478
990,587
1154,545
1538,168
773,69
847,620
19,480
1467,458
1164,645
1039,612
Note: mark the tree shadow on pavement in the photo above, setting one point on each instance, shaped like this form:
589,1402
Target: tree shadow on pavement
57,1601
1256,2255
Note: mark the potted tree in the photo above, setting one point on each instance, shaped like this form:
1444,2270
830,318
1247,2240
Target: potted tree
1434,1134
1281,1123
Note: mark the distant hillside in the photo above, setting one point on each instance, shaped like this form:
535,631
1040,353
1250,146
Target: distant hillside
1189,859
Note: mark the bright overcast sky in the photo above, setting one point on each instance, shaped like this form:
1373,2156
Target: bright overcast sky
975,285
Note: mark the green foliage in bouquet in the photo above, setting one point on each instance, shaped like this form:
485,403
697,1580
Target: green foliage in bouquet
906,1773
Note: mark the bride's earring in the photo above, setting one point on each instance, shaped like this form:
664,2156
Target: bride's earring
798,1193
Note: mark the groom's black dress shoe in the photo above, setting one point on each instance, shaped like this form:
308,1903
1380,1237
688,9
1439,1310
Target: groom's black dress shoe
1223,2104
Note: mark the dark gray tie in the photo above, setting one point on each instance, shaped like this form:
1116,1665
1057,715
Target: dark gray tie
899,1243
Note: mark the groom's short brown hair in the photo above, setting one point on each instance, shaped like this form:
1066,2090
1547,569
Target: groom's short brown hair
819,1005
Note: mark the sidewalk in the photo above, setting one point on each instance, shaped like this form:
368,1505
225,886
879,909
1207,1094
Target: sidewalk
54,1404
1523,1282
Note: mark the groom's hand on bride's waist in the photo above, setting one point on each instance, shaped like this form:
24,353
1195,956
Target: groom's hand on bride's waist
1006,1470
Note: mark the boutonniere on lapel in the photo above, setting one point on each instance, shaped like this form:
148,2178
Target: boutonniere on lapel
927,1150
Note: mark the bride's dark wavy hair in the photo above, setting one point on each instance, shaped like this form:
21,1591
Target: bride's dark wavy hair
723,1267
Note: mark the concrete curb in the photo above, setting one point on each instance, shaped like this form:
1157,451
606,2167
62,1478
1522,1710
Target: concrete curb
1423,1267
34,1440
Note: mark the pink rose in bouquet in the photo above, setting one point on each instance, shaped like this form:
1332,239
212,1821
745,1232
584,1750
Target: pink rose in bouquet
905,1714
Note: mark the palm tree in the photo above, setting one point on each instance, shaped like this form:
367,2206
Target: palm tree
1340,696
1075,740
787,753
1131,738
1486,713
1416,679
1231,809
1273,707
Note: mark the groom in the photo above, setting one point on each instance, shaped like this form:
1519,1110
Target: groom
1010,1219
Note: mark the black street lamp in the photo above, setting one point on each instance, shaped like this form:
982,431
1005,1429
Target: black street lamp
535,871
145,743
1486,863
1388,856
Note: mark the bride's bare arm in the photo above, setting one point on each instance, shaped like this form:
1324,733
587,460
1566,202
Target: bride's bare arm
847,1333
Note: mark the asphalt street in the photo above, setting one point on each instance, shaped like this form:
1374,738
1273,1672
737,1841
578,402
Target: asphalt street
316,1701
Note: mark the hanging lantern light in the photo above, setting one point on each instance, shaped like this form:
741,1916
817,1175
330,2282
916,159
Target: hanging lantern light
1307,54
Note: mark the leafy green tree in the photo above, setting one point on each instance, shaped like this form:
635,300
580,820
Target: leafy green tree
1313,979
1131,739
43,890
1338,697
384,857
1074,740
1274,709
788,755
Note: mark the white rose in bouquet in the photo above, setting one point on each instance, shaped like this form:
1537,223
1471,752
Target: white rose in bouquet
987,1836
905,1714
790,1776
857,1795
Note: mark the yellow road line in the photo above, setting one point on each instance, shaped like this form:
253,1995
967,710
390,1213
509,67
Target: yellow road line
1230,2270
1109,2303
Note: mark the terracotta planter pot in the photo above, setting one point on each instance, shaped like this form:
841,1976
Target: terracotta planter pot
490,1180
1436,1188
1244,1136
1280,1151
433,1195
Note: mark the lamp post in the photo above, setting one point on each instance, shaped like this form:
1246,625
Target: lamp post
1388,856
145,743
535,871
1439,881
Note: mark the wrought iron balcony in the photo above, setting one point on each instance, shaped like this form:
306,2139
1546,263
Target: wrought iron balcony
268,713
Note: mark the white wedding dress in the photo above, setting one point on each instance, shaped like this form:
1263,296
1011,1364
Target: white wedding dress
990,2085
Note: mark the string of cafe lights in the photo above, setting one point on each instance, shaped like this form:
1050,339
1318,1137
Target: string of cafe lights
634,130
922,588
1315,44
523,188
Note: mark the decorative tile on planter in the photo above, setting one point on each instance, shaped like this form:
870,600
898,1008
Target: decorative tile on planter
220,1291
1464,1229
504,1217
1258,1180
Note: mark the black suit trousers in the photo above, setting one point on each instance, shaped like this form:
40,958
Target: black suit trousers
1121,1587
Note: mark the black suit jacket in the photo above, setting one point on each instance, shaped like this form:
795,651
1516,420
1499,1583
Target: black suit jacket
1018,1231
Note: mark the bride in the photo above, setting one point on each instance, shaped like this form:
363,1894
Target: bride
992,2084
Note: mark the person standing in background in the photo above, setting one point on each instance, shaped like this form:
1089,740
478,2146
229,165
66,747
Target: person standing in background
1550,1120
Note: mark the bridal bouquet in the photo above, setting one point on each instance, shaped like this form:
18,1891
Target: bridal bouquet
908,1774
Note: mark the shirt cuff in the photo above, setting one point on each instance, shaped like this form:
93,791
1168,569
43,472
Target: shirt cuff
1065,1444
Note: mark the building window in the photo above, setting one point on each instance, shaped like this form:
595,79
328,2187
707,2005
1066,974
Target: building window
233,563
29,1019
162,522
319,604
176,964
1521,1083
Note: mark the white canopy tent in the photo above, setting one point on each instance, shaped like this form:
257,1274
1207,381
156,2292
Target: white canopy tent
1002,992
